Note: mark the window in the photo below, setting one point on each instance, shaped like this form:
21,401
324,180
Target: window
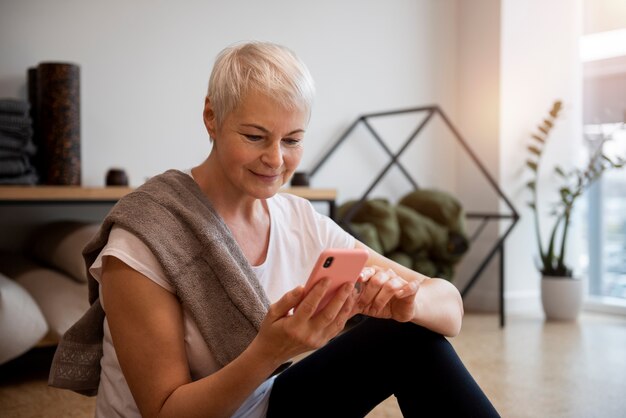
604,211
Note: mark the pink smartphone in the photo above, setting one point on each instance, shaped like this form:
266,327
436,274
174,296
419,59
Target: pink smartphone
341,265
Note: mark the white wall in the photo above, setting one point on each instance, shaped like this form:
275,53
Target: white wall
494,66
145,66
514,59
479,109
540,63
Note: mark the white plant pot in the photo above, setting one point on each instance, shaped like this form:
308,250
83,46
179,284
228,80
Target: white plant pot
561,297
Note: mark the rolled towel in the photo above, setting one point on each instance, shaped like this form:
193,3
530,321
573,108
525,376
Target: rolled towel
29,179
11,167
14,107
9,153
20,145
19,132
8,120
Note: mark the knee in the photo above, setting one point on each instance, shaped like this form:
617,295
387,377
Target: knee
404,333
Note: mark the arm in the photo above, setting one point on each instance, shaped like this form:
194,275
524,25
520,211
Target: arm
146,324
391,290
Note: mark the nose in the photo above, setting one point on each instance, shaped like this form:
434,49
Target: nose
273,155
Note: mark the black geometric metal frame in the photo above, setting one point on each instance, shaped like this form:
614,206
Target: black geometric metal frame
485,218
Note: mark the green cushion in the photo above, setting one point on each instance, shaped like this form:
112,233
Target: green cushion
437,205
367,234
381,214
419,232
425,231
401,258
425,266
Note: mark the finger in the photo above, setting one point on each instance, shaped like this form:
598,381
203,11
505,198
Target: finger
371,288
347,311
288,301
308,306
329,313
366,273
390,288
408,290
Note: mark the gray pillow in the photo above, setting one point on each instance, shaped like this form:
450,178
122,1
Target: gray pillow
22,324
62,301
60,245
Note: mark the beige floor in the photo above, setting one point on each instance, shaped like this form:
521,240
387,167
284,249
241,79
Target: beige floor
533,368
528,369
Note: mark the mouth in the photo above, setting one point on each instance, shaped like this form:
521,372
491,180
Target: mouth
267,177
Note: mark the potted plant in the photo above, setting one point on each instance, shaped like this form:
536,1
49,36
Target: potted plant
561,292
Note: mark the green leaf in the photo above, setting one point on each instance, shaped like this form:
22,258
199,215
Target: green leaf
538,138
532,205
607,159
531,185
556,108
534,150
558,170
532,165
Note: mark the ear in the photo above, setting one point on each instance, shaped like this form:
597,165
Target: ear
209,118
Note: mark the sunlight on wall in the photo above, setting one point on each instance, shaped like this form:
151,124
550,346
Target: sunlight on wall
603,45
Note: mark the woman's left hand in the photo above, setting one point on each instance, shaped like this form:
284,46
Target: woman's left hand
384,294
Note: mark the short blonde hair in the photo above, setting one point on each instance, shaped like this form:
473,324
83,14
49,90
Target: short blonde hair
267,67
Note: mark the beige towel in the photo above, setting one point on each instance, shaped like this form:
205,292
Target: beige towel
199,256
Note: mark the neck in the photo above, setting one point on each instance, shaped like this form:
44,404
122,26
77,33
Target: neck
232,205
244,215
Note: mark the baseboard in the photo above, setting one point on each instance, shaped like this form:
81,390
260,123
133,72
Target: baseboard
482,301
615,306
522,301
514,301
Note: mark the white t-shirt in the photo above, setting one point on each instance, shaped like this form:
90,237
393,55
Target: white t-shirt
298,233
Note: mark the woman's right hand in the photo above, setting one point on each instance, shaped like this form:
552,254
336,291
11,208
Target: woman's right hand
286,331
147,327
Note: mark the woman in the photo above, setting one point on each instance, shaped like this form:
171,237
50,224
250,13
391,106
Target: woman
199,273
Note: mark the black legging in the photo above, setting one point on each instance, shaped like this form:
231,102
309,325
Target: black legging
375,359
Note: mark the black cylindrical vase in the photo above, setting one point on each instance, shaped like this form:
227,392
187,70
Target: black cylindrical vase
58,114
36,160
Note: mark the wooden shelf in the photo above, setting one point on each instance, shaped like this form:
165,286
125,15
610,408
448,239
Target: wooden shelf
312,194
61,193
78,194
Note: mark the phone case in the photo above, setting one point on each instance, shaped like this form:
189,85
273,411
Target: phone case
341,265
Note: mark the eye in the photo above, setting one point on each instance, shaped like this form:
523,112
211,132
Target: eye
292,142
253,138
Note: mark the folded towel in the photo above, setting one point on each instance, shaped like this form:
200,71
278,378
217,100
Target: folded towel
14,107
22,146
12,121
198,254
19,132
29,179
16,166
10,153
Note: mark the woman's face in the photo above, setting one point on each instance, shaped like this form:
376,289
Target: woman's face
259,145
